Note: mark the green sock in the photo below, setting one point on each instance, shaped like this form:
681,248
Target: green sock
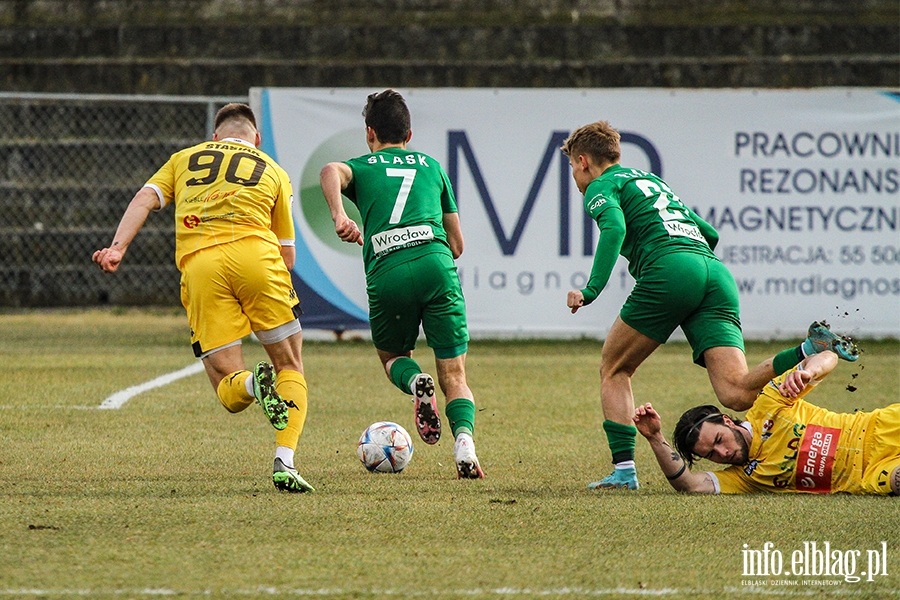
402,371
786,359
621,440
461,414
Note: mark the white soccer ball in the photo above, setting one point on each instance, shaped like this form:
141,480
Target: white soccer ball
384,447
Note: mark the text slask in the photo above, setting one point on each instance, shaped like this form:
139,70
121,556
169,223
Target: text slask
402,236
409,159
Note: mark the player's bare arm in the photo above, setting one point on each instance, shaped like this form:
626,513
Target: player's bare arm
648,423
812,368
454,233
333,178
289,255
135,215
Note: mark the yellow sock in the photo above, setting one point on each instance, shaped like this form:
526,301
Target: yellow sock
291,386
232,391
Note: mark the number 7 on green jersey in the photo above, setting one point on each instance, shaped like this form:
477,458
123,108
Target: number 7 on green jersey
408,176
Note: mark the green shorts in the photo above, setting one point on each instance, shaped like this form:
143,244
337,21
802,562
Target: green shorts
689,290
420,289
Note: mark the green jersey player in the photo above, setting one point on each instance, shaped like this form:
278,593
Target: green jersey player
678,282
411,238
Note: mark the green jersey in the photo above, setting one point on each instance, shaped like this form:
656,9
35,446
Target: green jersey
402,197
641,219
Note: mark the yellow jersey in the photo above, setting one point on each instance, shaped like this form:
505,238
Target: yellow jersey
223,191
798,447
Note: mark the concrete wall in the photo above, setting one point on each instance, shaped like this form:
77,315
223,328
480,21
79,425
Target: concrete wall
228,46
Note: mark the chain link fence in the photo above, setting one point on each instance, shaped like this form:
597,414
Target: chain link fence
69,165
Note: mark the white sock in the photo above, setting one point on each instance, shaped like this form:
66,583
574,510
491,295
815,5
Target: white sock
286,455
248,383
625,464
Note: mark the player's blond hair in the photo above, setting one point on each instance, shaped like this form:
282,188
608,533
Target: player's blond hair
599,140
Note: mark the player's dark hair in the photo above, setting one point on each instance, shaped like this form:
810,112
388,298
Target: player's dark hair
598,140
386,112
687,430
235,111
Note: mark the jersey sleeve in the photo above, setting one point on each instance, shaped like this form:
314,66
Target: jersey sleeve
610,219
163,182
282,211
350,190
731,481
448,200
708,232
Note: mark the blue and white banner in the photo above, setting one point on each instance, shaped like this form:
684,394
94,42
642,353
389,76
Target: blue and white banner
802,185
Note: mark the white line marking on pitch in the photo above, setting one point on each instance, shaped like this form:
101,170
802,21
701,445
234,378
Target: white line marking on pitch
501,592
120,398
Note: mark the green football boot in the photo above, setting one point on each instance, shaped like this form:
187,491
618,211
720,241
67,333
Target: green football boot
287,479
264,391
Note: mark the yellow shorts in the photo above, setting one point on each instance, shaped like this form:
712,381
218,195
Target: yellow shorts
882,450
232,289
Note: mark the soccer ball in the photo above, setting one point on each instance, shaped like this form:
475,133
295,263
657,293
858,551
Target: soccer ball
384,447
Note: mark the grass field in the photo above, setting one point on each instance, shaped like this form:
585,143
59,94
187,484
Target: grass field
169,495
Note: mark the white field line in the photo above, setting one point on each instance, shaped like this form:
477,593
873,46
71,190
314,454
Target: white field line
123,396
842,591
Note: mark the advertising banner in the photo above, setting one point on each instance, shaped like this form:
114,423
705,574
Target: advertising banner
803,187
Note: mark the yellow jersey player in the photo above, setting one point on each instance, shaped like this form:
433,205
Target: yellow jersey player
234,246
785,444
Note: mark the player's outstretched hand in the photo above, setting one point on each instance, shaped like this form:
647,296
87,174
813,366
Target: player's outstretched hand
348,231
108,259
647,420
794,383
575,300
